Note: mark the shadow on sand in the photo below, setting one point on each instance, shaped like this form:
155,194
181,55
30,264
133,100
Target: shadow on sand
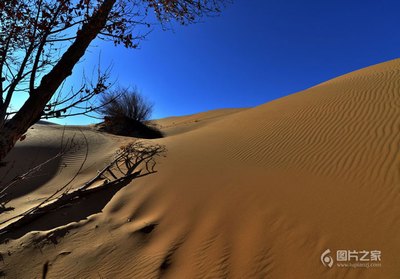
90,202
64,207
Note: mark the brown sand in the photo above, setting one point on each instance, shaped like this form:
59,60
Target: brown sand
252,193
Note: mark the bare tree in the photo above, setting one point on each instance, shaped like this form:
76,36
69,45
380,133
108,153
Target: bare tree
42,40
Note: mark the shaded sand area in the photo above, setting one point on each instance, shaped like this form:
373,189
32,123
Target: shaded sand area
86,152
252,193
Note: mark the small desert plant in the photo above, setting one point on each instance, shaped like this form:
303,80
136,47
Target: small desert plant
125,103
125,112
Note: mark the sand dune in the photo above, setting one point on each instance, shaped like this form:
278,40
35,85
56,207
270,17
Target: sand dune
253,193
180,124
89,152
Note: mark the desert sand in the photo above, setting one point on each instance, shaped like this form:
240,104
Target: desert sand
240,193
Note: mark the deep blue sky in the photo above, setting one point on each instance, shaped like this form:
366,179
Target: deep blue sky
254,52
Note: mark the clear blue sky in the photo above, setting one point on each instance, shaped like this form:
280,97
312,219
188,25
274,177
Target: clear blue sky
254,52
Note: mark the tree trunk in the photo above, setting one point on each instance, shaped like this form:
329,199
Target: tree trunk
32,109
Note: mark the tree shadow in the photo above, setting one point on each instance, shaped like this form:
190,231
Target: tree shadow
28,157
76,210
30,167
64,207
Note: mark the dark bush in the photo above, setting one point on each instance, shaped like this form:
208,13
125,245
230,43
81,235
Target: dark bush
127,103
125,112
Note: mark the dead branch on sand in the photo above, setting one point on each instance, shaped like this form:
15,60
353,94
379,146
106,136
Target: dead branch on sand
122,169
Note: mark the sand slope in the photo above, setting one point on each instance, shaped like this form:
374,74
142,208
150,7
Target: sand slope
86,151
177,125
258,193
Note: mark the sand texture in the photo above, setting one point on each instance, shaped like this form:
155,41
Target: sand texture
244,193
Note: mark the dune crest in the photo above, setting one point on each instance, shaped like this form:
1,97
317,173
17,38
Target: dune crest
254,193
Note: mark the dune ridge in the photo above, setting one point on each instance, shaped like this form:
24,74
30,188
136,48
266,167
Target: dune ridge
258,193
